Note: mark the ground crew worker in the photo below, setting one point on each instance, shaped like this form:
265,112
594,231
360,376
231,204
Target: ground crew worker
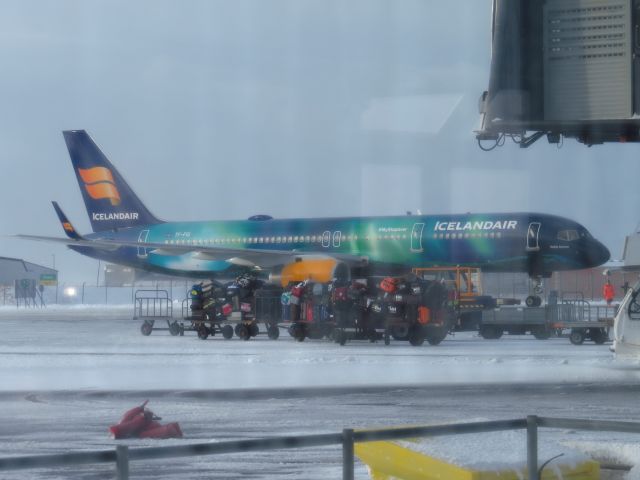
608,292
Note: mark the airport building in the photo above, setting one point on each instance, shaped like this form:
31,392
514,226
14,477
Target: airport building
21,280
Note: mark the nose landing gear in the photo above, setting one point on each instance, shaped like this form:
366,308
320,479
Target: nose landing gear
537,288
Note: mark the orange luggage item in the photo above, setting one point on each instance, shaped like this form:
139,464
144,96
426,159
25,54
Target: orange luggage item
389,284
424,315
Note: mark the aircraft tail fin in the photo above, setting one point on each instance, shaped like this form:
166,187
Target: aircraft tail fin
110,202
66,224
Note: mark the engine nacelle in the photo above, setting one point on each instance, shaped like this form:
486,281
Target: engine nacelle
321,270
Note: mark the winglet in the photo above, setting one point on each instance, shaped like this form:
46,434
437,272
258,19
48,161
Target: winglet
66,224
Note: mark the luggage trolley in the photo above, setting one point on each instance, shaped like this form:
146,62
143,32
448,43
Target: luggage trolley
207,309
152,305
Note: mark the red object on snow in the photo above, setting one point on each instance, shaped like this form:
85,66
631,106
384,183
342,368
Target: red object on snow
130,414
170,430
142,423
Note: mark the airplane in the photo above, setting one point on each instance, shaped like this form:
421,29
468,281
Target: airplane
292,250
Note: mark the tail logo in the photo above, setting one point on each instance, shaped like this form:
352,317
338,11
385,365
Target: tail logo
67,226
99,183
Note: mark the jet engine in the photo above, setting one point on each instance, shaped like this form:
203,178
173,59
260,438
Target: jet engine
321,270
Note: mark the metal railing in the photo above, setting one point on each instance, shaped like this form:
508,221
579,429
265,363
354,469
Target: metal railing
122,455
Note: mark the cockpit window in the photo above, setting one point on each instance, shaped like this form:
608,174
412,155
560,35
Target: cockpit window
568,235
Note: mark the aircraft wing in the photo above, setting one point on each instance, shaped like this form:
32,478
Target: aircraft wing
249,257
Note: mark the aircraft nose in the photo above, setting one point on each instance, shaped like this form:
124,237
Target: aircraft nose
597,254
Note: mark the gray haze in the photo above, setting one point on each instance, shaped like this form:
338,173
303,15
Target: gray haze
293,108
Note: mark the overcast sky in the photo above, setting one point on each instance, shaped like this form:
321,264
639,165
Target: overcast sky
292,108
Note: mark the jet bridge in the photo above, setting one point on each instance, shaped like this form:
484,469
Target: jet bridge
563,68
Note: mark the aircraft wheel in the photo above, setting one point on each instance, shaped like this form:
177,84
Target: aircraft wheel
387,339
533,301
254,329
541,333
273,332
146,328
203,332
227,332
242,331
576,337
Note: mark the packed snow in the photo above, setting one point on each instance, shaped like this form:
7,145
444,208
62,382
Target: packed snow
66,374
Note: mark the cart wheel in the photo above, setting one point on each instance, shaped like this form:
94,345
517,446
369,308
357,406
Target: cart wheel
227,332
416,337
315,333
253,329
598,335
576,337
146,328
203,332
541,333
242,331
339,336
400,332
174,329
273,332
491,332
436,337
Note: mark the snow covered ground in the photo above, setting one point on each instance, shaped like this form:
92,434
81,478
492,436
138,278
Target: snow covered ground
68,373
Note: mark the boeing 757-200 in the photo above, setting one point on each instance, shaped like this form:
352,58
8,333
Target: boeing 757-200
288,250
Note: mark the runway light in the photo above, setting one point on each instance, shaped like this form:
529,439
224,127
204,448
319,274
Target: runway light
70,292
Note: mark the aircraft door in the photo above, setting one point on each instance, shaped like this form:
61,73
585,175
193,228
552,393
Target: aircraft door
337,236
416,237
142,238
533,232
326,239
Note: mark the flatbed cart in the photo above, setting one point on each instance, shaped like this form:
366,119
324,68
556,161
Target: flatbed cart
597,331
153,305
583,320
515,320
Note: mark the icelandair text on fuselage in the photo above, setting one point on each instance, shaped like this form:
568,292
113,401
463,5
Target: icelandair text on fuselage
488,225
100,217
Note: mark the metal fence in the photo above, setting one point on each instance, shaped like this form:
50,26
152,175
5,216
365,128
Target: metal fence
122,455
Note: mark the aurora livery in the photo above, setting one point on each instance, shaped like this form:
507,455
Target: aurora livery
125,232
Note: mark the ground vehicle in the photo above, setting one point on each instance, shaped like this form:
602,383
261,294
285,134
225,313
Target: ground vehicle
626,329
579,318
